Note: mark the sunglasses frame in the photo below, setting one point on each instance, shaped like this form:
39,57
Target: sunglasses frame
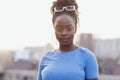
64,8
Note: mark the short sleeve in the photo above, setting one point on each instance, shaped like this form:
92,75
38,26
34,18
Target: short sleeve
40,68
39,73
91,67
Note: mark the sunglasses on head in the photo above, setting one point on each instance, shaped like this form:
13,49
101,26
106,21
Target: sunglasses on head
61,9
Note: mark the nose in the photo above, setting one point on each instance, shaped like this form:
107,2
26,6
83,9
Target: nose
64,33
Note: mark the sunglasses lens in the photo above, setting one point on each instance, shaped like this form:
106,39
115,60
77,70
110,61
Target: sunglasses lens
70,8
58,9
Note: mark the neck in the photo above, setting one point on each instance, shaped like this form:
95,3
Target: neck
64,48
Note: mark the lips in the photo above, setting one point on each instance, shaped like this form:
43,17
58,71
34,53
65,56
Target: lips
64,39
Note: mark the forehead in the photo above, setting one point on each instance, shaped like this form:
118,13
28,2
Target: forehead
64,19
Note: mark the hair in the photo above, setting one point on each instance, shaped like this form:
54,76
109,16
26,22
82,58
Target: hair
62,3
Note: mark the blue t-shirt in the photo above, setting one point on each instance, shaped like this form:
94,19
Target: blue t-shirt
78,64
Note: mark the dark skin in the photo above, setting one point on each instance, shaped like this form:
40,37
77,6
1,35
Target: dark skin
64,31
65,28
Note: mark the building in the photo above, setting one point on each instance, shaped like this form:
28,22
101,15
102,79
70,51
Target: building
21,70
24,54
86,40
5,59
109,48
38,52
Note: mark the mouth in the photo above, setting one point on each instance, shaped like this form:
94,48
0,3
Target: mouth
64,39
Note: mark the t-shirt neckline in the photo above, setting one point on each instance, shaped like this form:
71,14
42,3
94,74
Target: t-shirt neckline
66,51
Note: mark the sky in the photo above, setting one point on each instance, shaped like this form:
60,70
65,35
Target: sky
25,23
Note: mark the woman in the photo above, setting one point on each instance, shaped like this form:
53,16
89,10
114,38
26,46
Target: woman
68,62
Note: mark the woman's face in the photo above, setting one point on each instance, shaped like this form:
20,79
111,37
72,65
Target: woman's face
65,29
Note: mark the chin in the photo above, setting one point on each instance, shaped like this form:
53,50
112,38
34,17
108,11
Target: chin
65,43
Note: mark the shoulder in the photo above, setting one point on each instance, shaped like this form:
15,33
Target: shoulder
47,56
85,52
49,53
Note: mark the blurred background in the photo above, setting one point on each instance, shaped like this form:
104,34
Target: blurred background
26,34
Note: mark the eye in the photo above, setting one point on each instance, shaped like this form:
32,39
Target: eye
69,29
58,29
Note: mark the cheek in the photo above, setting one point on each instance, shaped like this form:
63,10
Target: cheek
72,35
57,35
72,32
